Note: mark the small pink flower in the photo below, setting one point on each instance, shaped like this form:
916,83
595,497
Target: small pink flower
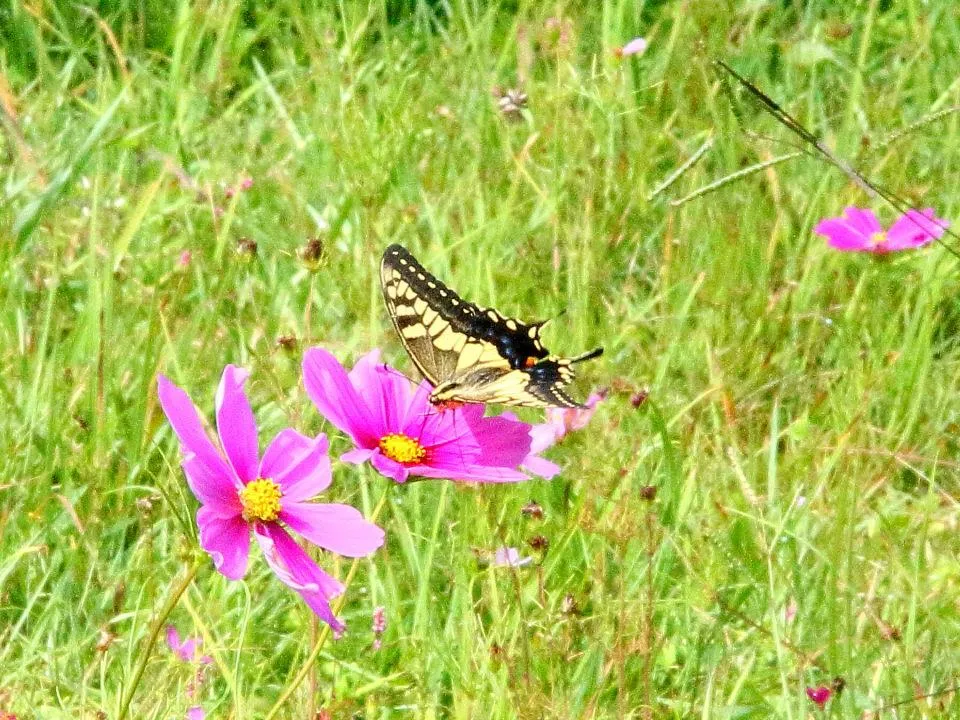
246,183
637,46
859,230
240,492
790,611
509,557
379,626
183,262
196,713
820,695
397,430
560,421
187,649
565,420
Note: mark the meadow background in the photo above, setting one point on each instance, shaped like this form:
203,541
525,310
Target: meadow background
800,427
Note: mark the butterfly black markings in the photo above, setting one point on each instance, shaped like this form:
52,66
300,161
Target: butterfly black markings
468,353
771,107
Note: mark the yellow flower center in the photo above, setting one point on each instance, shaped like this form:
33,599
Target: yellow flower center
261,500
877,238
402,449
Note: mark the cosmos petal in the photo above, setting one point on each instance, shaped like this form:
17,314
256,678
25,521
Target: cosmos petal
338,528
297,570
227,540
336,399
236,425
300,465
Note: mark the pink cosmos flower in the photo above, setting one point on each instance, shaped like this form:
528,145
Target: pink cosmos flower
395,428
187,649
560,421
859,230
196,713
819,695
240,492
379,626
566,420
637,46
510,557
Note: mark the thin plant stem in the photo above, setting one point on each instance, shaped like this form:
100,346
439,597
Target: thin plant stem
325,631
153,633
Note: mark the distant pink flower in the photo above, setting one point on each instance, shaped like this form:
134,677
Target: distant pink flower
379,626
637,46
566,420
859,230
510,557
246,183
819,695
790,611
239,492
183,262
397,430
560,421
187,649
196,713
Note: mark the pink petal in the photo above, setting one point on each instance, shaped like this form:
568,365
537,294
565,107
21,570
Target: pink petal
510,557
819,695
842,236
208,474
336,399
215,492
186,649
227,540
300,465
542,436
297,570
537,465
419,407
338,528
634,47
235,424
196,713
503,441
383,390
357,456
173,639
914,229
863,221
389,468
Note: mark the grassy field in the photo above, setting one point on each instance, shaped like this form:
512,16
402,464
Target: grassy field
801,422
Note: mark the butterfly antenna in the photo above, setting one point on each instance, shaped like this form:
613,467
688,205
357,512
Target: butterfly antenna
589,355
773,108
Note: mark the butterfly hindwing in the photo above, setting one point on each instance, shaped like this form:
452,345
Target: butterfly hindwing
469,353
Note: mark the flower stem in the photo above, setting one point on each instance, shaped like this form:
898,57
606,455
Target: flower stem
325,631
153,632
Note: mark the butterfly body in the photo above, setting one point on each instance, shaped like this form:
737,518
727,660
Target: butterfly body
470,354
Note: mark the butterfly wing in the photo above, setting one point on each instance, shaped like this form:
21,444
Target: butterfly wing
539,386
470,354
445,334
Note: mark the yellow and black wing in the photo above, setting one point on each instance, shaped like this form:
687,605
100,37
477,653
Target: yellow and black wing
470,354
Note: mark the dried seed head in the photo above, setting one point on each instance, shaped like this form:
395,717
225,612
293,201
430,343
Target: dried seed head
247,247
287,343
569,605
539,543
312,254
512,103
532,510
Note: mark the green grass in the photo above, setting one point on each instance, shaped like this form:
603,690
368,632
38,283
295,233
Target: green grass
801,426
